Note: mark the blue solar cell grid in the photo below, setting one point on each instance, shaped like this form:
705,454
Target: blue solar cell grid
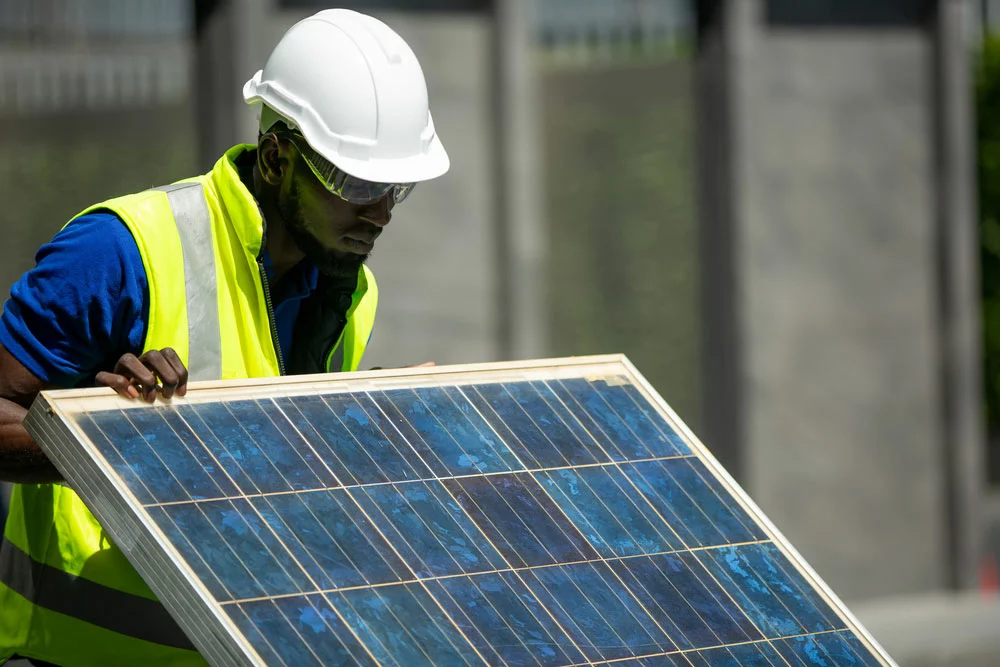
549,522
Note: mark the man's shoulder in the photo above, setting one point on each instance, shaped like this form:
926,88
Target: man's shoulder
99,234
96,246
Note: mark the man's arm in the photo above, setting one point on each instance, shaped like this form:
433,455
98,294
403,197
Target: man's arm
85,297
155,373
21,459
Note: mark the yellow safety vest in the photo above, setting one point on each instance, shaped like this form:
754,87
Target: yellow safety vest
67,593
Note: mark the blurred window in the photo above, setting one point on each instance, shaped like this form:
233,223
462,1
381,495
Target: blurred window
60,20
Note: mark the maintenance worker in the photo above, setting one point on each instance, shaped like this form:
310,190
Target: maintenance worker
254,269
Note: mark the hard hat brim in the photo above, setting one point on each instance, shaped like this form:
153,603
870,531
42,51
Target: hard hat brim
430,165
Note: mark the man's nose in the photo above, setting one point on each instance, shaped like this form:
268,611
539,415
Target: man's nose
378,213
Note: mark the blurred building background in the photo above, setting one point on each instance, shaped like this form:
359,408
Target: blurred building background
768,205
97,91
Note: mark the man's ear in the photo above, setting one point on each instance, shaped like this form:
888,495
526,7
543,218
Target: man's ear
273,158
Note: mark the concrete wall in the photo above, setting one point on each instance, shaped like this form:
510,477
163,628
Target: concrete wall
835,227
839,302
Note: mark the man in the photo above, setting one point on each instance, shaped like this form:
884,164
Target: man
254,269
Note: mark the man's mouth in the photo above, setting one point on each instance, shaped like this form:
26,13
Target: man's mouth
358,246
361,241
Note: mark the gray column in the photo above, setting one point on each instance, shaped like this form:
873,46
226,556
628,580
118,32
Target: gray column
231,44
840,295
719,203
958,252
521,239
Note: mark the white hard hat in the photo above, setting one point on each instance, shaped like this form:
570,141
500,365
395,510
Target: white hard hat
355,91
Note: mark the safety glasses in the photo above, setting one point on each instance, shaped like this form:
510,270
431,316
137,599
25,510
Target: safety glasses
349,188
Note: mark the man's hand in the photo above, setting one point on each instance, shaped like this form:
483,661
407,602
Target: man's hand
155,372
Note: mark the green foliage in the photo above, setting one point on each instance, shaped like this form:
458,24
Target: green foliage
988,132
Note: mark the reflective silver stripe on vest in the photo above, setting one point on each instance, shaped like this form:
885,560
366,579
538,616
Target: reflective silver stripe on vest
194,226
58,591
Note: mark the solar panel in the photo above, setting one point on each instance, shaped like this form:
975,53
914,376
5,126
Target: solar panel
535,513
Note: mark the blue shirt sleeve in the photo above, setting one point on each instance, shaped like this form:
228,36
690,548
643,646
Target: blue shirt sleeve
83,305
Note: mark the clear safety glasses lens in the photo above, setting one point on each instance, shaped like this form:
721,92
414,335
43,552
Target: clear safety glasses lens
354,190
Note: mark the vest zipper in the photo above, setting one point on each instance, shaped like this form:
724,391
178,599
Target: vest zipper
270,315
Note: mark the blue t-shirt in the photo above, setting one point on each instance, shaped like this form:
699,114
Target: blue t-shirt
86,303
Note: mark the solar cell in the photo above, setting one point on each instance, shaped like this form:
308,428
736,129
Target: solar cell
542,513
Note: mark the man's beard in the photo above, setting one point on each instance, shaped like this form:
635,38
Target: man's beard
330,263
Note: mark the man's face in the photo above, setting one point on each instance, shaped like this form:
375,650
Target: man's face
334,234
